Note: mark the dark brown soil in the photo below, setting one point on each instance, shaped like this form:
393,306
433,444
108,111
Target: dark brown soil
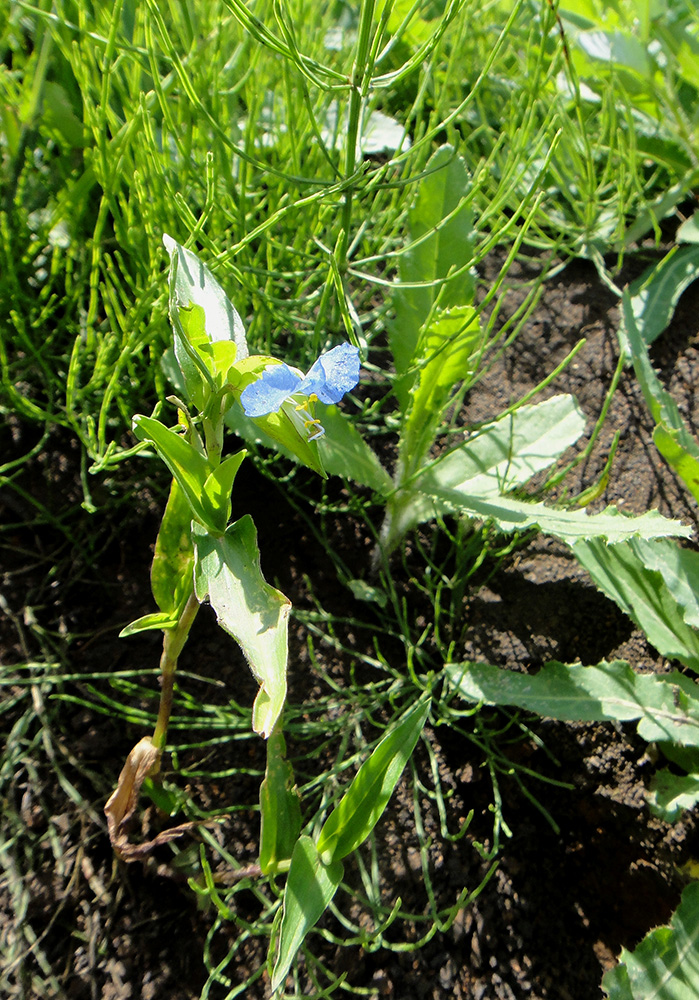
571,887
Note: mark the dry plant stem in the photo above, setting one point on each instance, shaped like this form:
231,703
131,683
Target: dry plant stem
173,642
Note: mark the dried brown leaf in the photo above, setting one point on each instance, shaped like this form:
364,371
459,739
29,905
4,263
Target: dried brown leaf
121,805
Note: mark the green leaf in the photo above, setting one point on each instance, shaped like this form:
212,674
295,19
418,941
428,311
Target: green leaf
219,484
227,571
508,452
656,293
633,574
440,225
188,466
446,345
664,966
500,455
345,452
570,526
280,808
201,316
172,570
666,705
309,888
669,795
674,441
157,620
359,809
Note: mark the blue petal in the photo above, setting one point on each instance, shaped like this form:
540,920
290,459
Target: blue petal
267,394
333,374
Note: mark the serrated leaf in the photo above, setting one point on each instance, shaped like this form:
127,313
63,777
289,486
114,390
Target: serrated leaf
664,966
675,442
503,454
227,571
442,357
666,705
280,808
309,888
359,809
632,574
440,226
570,526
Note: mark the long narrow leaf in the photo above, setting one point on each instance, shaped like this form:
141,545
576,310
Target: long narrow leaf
667,705
309,888
353,819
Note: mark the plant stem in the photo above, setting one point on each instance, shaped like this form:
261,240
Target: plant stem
173,642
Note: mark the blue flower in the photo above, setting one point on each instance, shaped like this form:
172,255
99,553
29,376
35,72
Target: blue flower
330,377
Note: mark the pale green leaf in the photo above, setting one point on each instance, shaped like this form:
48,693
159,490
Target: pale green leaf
666,705
157,620
309,888
356,815
227,571
669,795
632,574
665,965
570,526
500,455
509,451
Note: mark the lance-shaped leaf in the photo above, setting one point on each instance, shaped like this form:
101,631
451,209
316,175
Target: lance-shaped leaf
280,808
440,225
672,438
443,359
666,705
227,572
356,814
189,467
171,573
309,888
510,514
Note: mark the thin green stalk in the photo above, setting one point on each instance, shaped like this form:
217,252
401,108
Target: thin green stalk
173,643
